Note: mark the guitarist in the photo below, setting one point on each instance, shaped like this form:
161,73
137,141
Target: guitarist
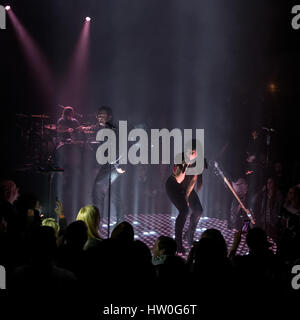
180,189
101,183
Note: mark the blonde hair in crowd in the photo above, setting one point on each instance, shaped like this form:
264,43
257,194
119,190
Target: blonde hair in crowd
50,222
91,216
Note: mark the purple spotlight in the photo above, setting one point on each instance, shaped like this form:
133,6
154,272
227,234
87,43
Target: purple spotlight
87,19
74,87
34,56
7,8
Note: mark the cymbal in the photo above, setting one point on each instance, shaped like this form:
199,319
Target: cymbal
50,126
21,115
42,116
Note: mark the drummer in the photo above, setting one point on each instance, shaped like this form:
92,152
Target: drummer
66,124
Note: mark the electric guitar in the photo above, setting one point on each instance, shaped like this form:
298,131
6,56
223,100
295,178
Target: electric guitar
221,173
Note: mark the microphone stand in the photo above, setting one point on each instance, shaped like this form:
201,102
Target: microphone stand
114,163
50,170
109,187
268,142
109,195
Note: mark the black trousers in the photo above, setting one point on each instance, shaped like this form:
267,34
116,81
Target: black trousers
100,192
176,194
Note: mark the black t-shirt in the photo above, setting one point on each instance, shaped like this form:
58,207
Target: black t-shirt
187,178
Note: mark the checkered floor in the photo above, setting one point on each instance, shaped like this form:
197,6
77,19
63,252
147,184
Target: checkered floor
148,227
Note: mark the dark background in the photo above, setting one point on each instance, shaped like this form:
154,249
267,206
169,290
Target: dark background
162,64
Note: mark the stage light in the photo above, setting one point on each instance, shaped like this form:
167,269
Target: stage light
272,87
204,218
88,19
38,65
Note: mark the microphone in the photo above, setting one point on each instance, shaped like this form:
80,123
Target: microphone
268,129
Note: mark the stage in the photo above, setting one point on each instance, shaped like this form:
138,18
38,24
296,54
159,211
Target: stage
148,227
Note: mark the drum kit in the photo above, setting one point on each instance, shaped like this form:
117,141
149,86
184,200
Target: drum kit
40,139
42,150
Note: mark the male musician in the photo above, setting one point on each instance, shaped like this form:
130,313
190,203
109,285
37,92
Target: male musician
255,165
66,124
101,183
180,190
255,151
